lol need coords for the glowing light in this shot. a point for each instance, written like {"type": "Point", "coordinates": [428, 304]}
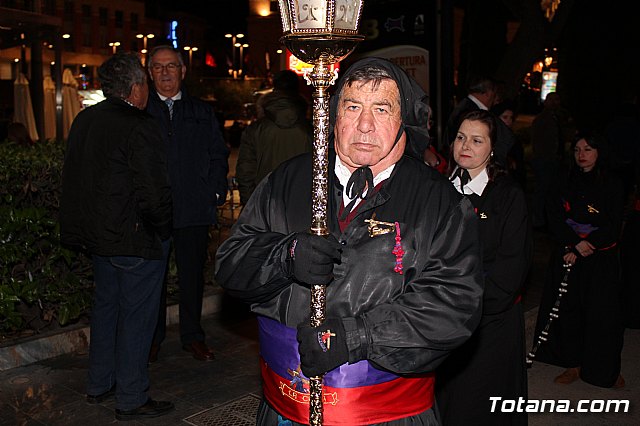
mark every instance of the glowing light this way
{"type": "Point", "coordinates": [172, 35]}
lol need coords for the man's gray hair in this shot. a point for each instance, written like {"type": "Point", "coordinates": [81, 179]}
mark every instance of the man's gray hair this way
{"type": "Point", "coordinates": [164, 47]}
{"type": "Point", "coordinates": [119, 73]}
{"type": "Point", "coordinates": [368, 74]}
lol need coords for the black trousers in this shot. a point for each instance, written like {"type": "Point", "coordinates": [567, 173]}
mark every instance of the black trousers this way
{"type": "Point", "coordinates": [190, 248]}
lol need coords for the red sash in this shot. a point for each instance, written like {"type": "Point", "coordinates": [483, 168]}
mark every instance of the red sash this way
{"type": "Point", "coordinates": [384, 402]}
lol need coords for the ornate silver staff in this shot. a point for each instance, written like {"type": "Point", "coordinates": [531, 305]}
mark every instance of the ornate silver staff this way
{"type": "Point", "coordinates": [554, 314]}
{"type": "Point", "coordinates": [321, 33]}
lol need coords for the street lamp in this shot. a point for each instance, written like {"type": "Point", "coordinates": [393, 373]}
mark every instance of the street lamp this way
{"type": "Point", "coordinates": [233, 49]}
{"type": "Point", "coordinates": [241, 46]}
{"type": "Point", "coordinates": [190, 49]}
{"type": "Point", "coordinates": [320, 33]}
{"type": "Point", "coordinates": [144, 45]}
{"type": "Point", "coordinates": [114, 45]}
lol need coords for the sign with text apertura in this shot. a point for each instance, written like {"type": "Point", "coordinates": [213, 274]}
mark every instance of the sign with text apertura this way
{"type": "Point", "coordinates": [413, 59]}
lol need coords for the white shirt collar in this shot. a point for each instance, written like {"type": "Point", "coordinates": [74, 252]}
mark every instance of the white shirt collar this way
{"type": "Point", "coordinates": [477, 102]}
{"type": "Point", "coordinates": [343, 174]}
{"type": "Point", "coordinates": [474, 186]}
{"type": "Point", "coordinates": [176, 97]}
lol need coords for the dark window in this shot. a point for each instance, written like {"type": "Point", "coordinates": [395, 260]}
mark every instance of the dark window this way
{"type": "Point", "coordinates": [103, 14]}
{"type": "Point", "coordinates": [86, 11]}
{"type": "Point", "coordinates": [28, 5]}
{"type": "Point", "coordinates": [119, 19]}
{"type": "Point", "coordinates": [68, 9]}
{"type": "Point", "coordinates": [134, 22]}
{"type": "Point", "coordinates": [86, 39]}
{"type": "Point", "coordinates": [49, 7]}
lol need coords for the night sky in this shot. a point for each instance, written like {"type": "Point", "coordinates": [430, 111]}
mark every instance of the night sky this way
{"type": "Point", "coordinates": [223, 15]}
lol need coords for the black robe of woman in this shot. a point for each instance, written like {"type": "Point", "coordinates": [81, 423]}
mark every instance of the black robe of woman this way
{"type": "Point", "coordinates": [492, 362]}
{"type": "Point", "coordinates": [589, 330]}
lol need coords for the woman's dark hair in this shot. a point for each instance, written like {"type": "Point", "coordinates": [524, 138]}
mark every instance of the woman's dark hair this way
{"type": "Point", "coordinates": [495, 168]}
{"type": "Point", "coordinates": [119, 73]}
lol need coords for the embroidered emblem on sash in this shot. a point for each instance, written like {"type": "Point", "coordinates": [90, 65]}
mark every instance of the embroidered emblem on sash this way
{"type": "Point", "coordinates": [298, 389]}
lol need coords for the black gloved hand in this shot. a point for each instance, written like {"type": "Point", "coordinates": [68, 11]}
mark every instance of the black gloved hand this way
{"type": "Point", "coordinates": [313, 257]}
{"type": "Point", "coordinates": [322, 348]}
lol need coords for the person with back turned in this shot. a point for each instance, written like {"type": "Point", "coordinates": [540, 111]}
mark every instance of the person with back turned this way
{"type": "Point", "coordinates": [402, 264]}
{"type": "Point", "coordinates": [116, 205]}
{"type": "Point", "coordinates": [281, 133]}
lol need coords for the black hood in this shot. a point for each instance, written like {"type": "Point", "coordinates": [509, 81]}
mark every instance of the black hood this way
{"type": "Point", "coordinates": [413, 101]}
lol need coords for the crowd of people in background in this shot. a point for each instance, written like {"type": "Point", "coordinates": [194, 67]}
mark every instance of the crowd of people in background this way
{"type": "Point", "coordinates": [429, 249]}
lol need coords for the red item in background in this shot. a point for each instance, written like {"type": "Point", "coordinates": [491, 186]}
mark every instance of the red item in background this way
{"type": "Point", "coordinates": [441, 167]}
{"type": "Point", "coordinates": [210, 60]}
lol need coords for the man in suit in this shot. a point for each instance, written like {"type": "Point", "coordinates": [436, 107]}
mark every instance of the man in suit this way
{"type": "Point", "coordinates": [116, 205]}
{"type": "Point", "coordinates": [198, 166]}
{"type": "Point", "coordinates": [482, 94]}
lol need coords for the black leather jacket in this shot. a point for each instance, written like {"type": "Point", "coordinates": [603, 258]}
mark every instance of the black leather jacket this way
{"type": "Point", "coordinates": [402, 323]}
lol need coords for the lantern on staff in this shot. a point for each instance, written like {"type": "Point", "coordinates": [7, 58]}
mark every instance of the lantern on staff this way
{"type": "Point", "coordinates": [320, 33]}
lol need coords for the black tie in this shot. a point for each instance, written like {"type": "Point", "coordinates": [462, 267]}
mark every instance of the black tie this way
{"type": "Point", "coordinates": [359, 186]}
{"type": "Point", "coordinates": [464, 176]}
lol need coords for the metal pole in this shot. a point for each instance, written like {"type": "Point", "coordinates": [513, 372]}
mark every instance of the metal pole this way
{"type": "Point", "coordinates": [321, 78]}
{"type": "Point", "coordinates": [58, 79]}
{"type": "Point", "coordinates": [321, 47]}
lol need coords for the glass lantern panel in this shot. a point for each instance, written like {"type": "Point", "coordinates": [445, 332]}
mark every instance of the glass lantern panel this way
{"type": "Point", "coordinates": [311, 14]}
{"type": "Point", "coordinates": [347, 12]}
{"type": "Point", "coordinates": [285, 15]}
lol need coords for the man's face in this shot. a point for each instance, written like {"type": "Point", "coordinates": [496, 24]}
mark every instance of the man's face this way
{"type": "Point", "coordinates": [166, 72]}
{"type": "Point", "coordinates": [368, 119]}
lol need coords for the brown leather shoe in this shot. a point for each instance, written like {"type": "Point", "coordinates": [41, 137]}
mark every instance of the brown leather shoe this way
{"type": "Point", "coordinates": [199, 350]}
{"type": "Point", "coordinates": [568, 376]}
{"type": "Point", "coordinates": [153, 353]}
{"type": "Point", "coordinates": [619, 382]}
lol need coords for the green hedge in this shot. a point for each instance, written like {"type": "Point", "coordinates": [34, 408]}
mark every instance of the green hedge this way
{"type": "Point", "coordinates": [42, 285]}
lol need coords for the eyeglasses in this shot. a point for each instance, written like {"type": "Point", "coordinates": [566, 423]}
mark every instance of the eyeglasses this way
{"type": "Point", "coordinates": [169, 67]}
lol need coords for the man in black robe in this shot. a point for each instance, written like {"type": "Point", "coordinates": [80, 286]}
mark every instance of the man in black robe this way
{"type": "Point", "coordinates": [402, 264]}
